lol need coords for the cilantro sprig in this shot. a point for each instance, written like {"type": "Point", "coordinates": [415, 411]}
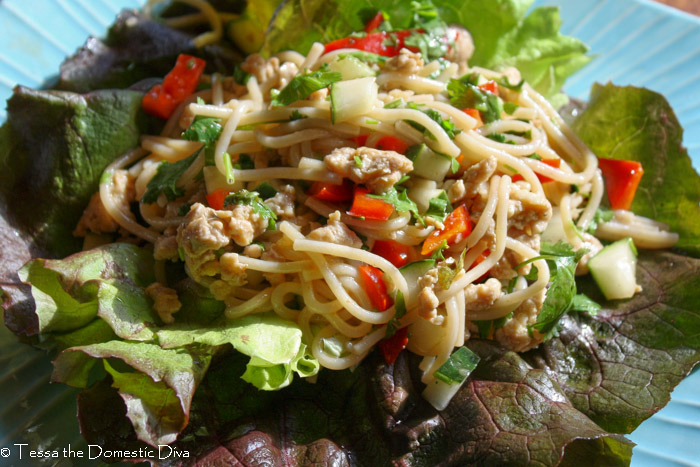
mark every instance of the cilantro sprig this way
{"type": "Point", "coordinates": [166, 178]}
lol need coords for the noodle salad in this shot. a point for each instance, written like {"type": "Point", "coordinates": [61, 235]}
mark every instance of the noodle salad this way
{"type": "Point", "coordinates": [372, 187]}
{"type": "Point", "coordinates": [377, 192]}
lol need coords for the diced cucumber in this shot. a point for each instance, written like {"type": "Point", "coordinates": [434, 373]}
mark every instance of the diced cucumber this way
{"type": "Point", "coordinates": [352, 98]}
{"type": "Point", "coordinates": [422, 191]}
{"type": "Point", "coordinates": [428, 163]}
{"type": "Point", "coordinates": [413, 272]}
{"type": "Point", "coordinates": [555, 230]}
{"type": "Point", "coordinates": [614, 269]}
{"type": "Point", "coordinates": [215, 180]}
{"type": "Point", "coordinates": [351, 68]}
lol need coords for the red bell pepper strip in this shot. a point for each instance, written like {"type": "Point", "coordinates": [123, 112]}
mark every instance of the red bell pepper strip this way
{"type": "Point", "coordinates": [479, 259]}
{"type": "Point", "coordinates": [216, 198]}
{"type": "Point", "coordinates": [476, 115]}
{"type": "Point", "coordinates": [457, 224]}
{"type": "Point", "coordinates": [621, 181]}
{"type": "Point", "coordinates": [369, 208]}
{"type": "Point", "coordinates": [394, 252]}
{"type": "Point", "coordinates": [375, 22]}
{"type": "Point", "coordinates": [178, 84]}
{"type": "Point", "coordinates": [392, 143]}
{"type": "Point", "coordinates": [556, 163]}
{"type": "Point", "coordinates": [489, 86]}
{"type": "Point", "coordinates": [373, 284]}
{"type": "Point", "coordinates": [325, 191]}
{"type": "Point", "coordinates": [387, 44]}
{"type": "Point", "coordinates": [361, 140]}
{"type": "Point", "coordinates": [392, 347]}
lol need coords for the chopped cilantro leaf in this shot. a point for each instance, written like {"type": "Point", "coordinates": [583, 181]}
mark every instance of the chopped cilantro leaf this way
{"type": "Point", "coordinates": [367, 57]}
{"type": "Point", "coordinates": [401, 202]}
{"type": "Point", "coordinates": [241, 77]}
{"type": "Point", "coordinates": [399, 311]}
{"type": "Point", "coordinates": [601, 215]}
{"type": "Point", "coordinates": [437, 254]}
{"type": "Point", "coordinates": [439, 207]}
{"type": "Point", "coordinates": [184, 209]}
{"type": "Point", "coordinates": [465, 93]}
{"type": "Point", "coordinates": [503, 81]}
{"type": "Point", "coordinates": [296, 115]}
{"type": "Point", "coordinates": [301, 86]}
{"type": "Point", "coordinates": [206, 130]}
{"type": "Point", "coordinates": [244, 162]}
{"type": "Point", "coordinates": [358, 161]}
{"type": "Point", "coordinates": [434, 115]}
{"type": "Point", "coordinates": [582, 304]}
{"type": "Point", "coordinates": [266, 190]}
{"type": "Point", "coordinates": [165, 180]}
{"type": "Point", "coordinates": [510, 108]}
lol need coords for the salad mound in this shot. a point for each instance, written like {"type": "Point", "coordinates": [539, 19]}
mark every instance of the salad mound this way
{"type": "Point", "coordinates": [169, 351]}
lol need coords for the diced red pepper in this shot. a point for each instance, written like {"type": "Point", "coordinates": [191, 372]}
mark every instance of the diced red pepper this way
{"type": "Point", "coordinates": [387, 44]}
{"type": "Point", "coordinates": [621, 181]}
{"type": "Point", "coordinates": [373, 283]}
{"type": "Point", "coordinates": [475, 114]}
{"type": "Point", "coordinates": [489, 86]}
{"type": "Point", "coordinates": [361, 140]}
{"type": "Point", "coordinates": [216, 198]}
{"type": "Point", "coordinates": [159, 103]}
{"type": "Point", "coordinates": [394, 252]}
{"type": "Point", "coordinates": [556, 163]}
{"type": "Point", "coordinates": [178, 84]}
{"type": "Point", "coordinates": [392, 143]}
{"type": "Point", "coordinates": [375, 22]}
{"type": "Point", "coordinates": [392, 347]}
{"type": "Point", "coordinates": [457, 225]}
{"type": "Point", "coordinates": [369, 208]}
{"type": "Point", "coordinates": [479, 259]}
{"type": "Point", "coordinates": [325, 191]}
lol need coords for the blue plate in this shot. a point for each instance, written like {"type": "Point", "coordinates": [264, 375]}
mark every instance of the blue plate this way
{"type": "Point", "coordinates": [635, 42]}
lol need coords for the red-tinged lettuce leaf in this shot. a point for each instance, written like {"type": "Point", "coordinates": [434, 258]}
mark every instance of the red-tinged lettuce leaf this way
{"type": "Point", "coordinates": [506, 414]}
{"type": "Point", "coordinates": [50, 166]}
{"type": "Point", "coordinates": [157, 385]}
{"type": "Point", "coordinates": [638, 124]}
{"type": "Point", "coordinates": [503, 35]}
{"type": "Point", "coordinates": [106, 281]}
{"type": "Point", "coordinates": [136, 48]}
{"type": "Point", "coordinates": [620, 367]}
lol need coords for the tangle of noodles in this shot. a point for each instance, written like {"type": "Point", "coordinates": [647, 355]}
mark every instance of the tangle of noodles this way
{"type": "Point", "coordinates": [322, 266]}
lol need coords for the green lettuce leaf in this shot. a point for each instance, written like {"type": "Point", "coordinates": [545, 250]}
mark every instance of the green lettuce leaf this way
{"type": "Point", "coordinates": [503, 35]}
{"type": "Point", "coordinates": [106, 282]}
{"type": "Point", "coordinates": [273, 345]}
{"type": "Point", "coordinates": [638, 124]}
{"type": "Point", "coordinates": [157, 385]}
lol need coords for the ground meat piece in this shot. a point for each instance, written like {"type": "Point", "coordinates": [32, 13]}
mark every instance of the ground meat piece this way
{"type": "Point", "coordinates": [336, 232]}
{"type": "Point", "coordinates": [480, 297]}
{"type": "Point", "coordinates": [475, 181]}
{"type": "Point", "coordinates": [271, 72]}
{"type": "Point", "coordinates": [379, 170]}
{"type": "Point", "coordinates": [232, 271]}
{"type": "Point", "coordinates": [528, 212]}
{"type": "Point", "coordinates": [462, 44]}
{"type": "Point", "coordinates": [165, 247]}
{"type": "Point", "coordinates": [165, 301]}
{"type": "Point", "coordinates": [253, 250]}
{"type": "Point", "coordinates": [243, 224]}
{"type": "Point", "coordinates": [514, 333]}
{"type": "Point", "coordinates": [95, 218]}
{"type": "Point", "coordinates": [282, 204]}
{"type": "Point", "coordinates": [273, 252]}
{"type": "Point", "coordinates": [427, 300]}
{"type": "Point", "coordinates": [201, 231]}
{"type": "Point", "coordinates": [406, 62]}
